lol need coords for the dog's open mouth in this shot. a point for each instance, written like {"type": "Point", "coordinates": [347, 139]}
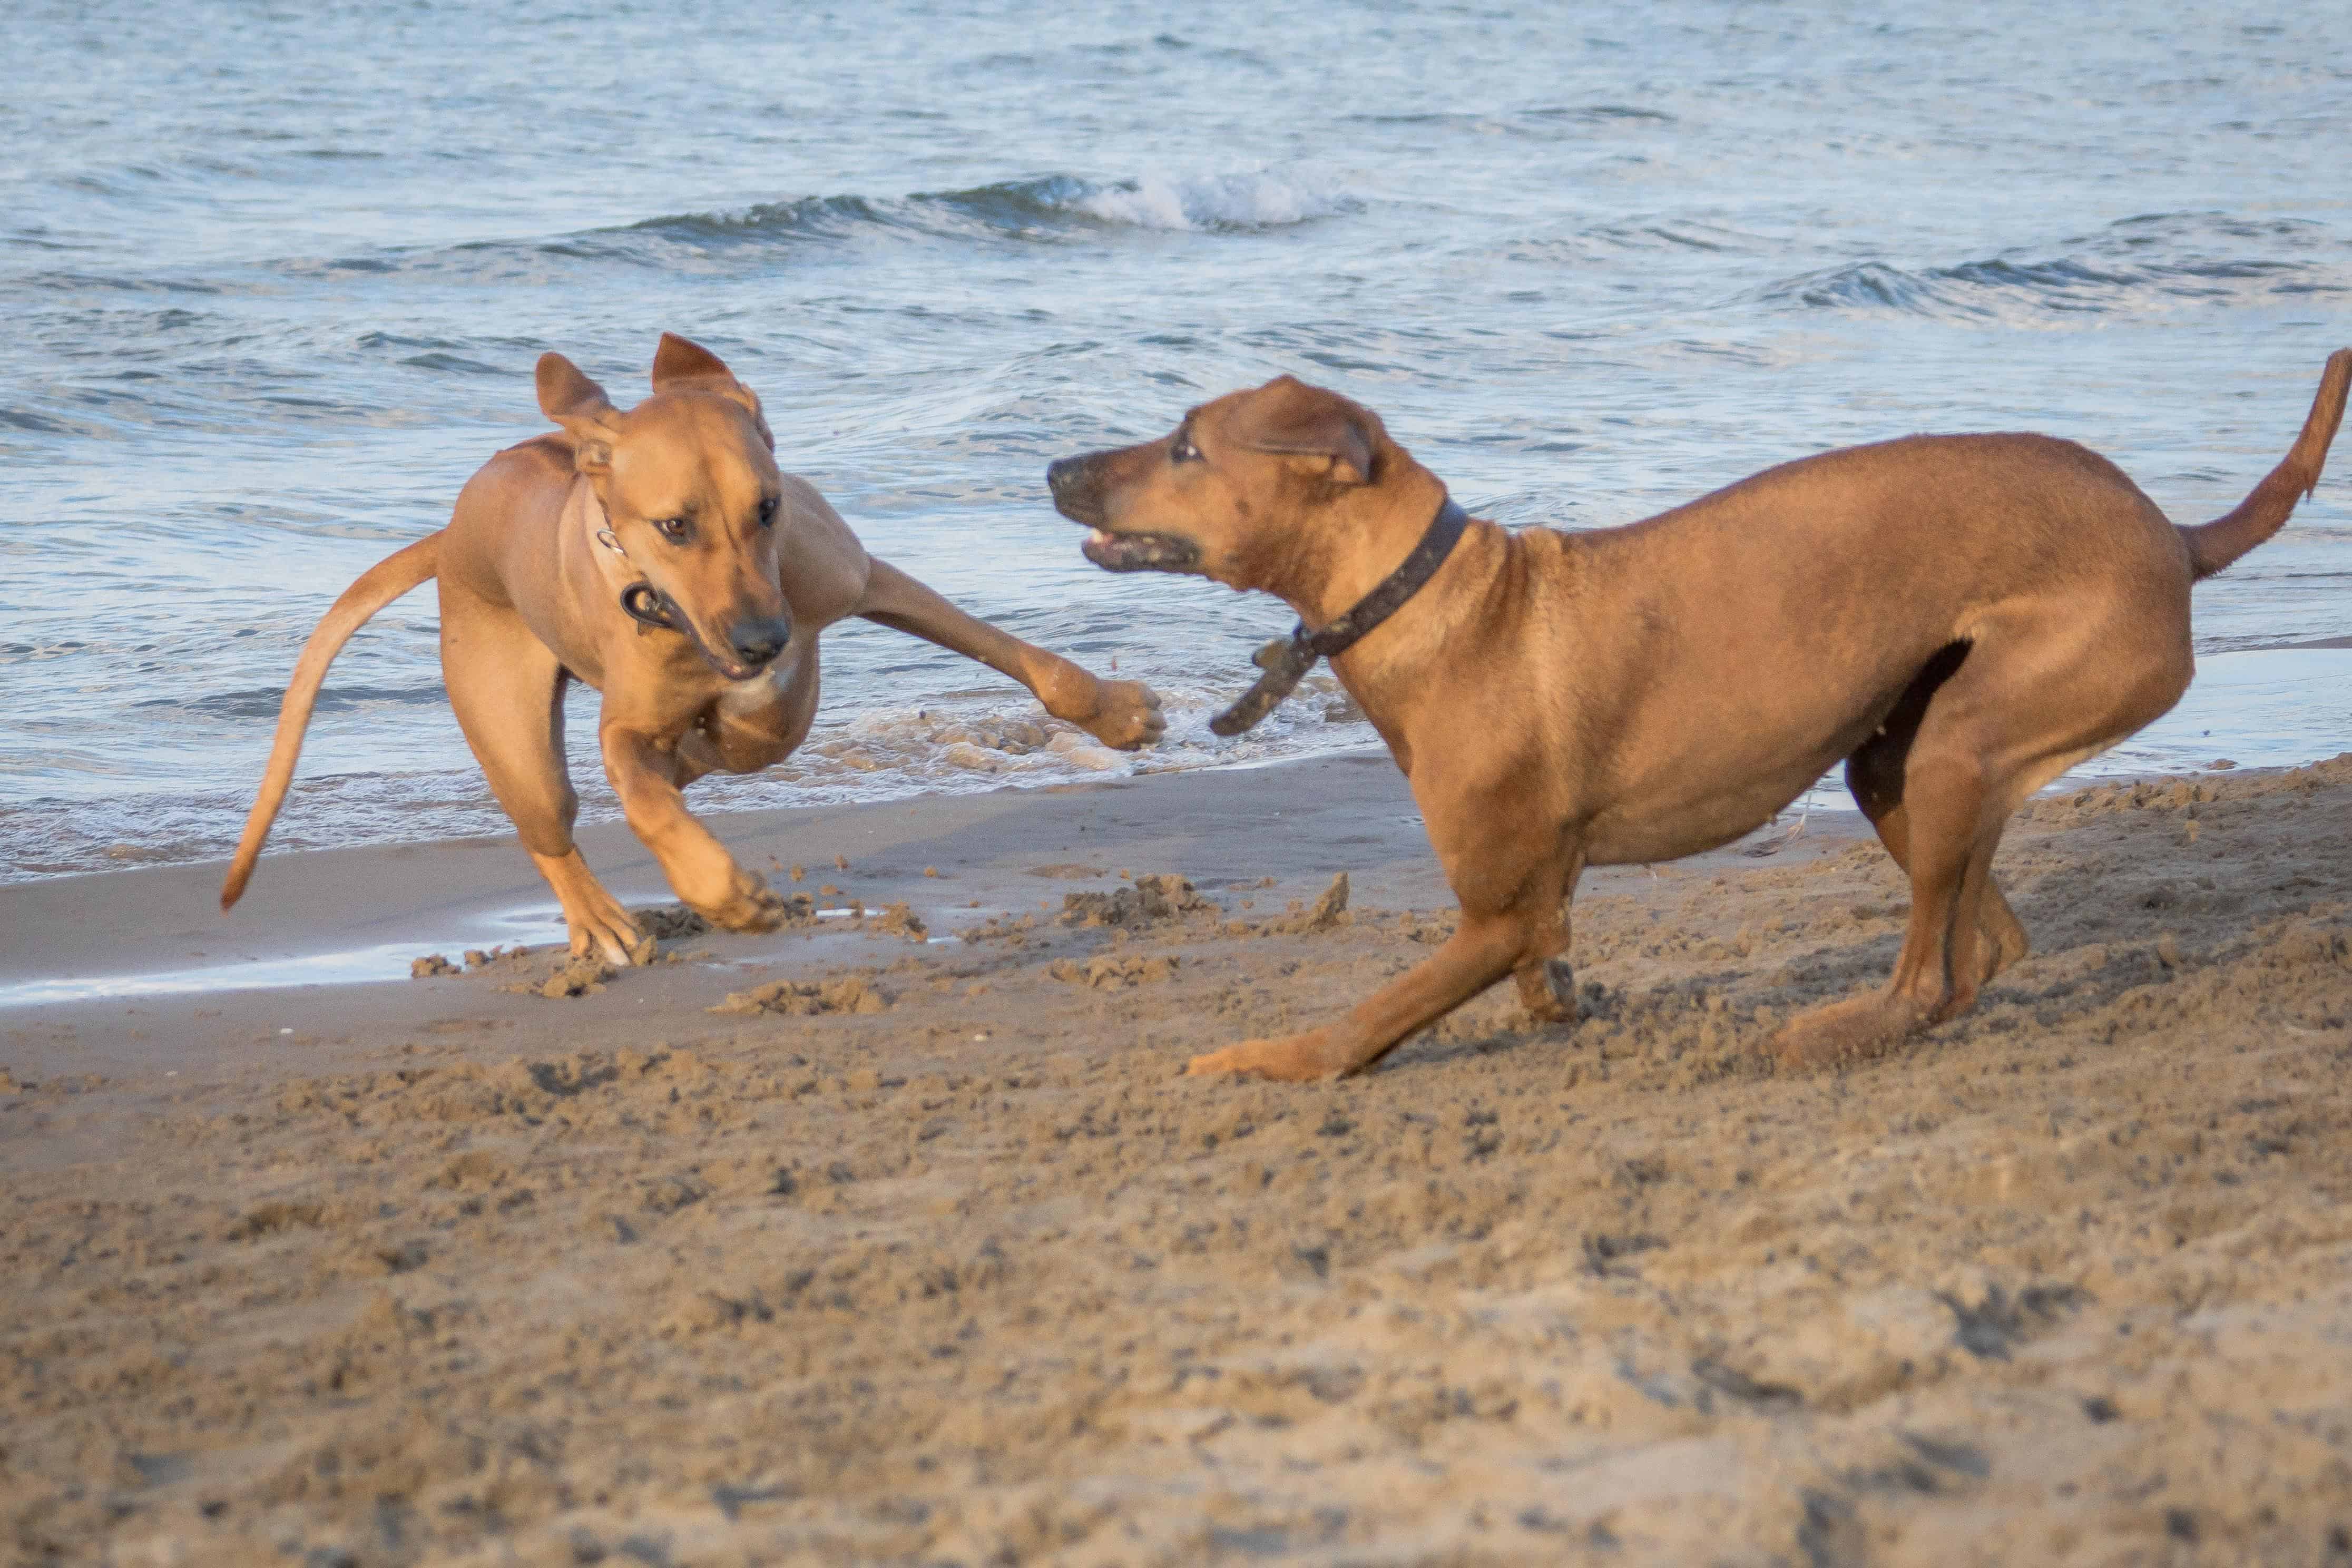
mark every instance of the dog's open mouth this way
{"type": "Point", "coordinates": [649, 607]}
{"type": "Point", "coordinates": [730, 668]}
{"type": "Point", "coordinates": [1141, 552]}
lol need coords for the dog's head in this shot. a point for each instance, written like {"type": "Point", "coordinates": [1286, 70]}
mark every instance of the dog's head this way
{"type": "Point", "coordinates": [691, 491]}
{"type": "Point", "coordinates": [1249, 490]}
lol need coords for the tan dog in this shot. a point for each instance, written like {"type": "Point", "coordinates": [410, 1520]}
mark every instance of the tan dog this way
{"type": "Point", "coordinates": [1959, 618]}
{"type": "Point", "coordinates": [734, 570]}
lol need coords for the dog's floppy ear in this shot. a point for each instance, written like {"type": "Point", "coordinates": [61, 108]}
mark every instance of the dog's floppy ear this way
{"type": "Point", "coordinates": [680, 365]}
{"type": "Point", "coordinates": [1289, 417]}
{"type": "Point", "coordinates": [567, 396]}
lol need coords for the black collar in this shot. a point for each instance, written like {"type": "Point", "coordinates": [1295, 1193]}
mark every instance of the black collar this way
{"type": "Point", "coordinates": [1286, 663]}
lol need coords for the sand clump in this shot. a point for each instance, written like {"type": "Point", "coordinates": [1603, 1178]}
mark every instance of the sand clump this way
{"type": "Point", "coordinates": [806, 998]}
{"type": "Point", "coordinates": [581, 975]}
{"type": "Point", "coordinates": [1161, 898]}
{"type": "Point", "coordinates": [1115, 971]}
{"type": "Point", "coordinates": [528, 971]}
{"type": "Point", "coordinates": [670, 922]}
{"type": "Point", "coordinates": [898, 920]}
{"type": "Point", "coordinates": [1328, 913]}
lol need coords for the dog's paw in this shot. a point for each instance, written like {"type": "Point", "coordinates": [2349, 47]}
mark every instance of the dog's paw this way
{"type": "Point", "coordinates": [610, 933]}
{"type": "Point", "coordinates": [1548, 990]}
{"type": "Point", "coordinates": [1127, 715]}
{"type": "Point", "coordinates": [1294, 1058]}
{"type": "Point", "coordinates": [748, 906]}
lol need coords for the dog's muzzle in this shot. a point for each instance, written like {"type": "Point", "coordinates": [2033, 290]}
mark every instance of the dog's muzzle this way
{"type": "Point", "coordinates": [755, 644]}
{"type": "Point", "coordinates": [1077, 484]}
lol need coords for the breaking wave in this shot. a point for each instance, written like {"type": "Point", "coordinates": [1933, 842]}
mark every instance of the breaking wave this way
{"type": "Point", "coordinates": [1039, 208]}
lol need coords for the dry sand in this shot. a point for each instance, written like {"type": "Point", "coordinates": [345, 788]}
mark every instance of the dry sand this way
{"type": "Point", "coordinates": [930, 1258]}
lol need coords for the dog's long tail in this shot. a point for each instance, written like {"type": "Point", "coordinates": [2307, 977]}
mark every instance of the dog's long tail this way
{"type": "Point", "coordinates": [379, 585]}
{"type": "Point", "coordinates": [2213, 545]}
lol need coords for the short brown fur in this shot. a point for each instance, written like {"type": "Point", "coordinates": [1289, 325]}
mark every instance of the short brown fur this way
{"type": "Point", "coordinates": [1958, 618]}
{"type": "Point", "coordinates": [530, 601]}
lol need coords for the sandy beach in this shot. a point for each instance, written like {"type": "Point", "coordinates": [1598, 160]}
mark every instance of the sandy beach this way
{"type": "Point", "coordinates": [924, 1254]}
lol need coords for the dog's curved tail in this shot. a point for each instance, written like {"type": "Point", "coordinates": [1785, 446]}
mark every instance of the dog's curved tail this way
{"type": "Point", "coordinates": [379, 585]}
{"type": "Point", "coordinates": [2213, 545]}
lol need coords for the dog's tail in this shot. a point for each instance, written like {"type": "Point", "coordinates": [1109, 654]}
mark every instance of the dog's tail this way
{"type": "Point", "coordinates": [379, 585]}
{"type": "Point", "coordinates": [2213, 545]}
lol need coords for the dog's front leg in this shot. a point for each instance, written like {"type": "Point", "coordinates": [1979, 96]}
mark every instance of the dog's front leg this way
{"type": "Point", "coordinates": [1123, 714]}
{"type": "Point", "coordinates": [1481, 950]}
{"type": "Point", "coordinates": [645, 771]}
{"type": "Point", "coordinates": [1546, 982]}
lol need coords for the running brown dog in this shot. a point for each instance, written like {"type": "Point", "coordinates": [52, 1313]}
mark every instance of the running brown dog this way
{"type": "Point", "coordinates": [1959, 618]}
{"type": "Point", "coordinates": [659, 556]}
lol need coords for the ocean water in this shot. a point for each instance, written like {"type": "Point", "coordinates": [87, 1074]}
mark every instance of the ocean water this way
{"type": "Point", "coordinates": [274, 279]}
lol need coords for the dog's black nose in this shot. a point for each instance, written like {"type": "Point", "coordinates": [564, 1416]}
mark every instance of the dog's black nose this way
{"type": "Point", "coordinates": [1076, 487]}
{"type": "Point", "coordinates": [758, 642]}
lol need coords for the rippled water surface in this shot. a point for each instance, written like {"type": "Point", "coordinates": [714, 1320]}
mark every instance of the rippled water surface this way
{"type": "Point", "coordinates": [275, 279]}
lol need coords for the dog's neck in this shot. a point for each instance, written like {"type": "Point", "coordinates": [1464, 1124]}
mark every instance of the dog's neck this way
{"type": "Point", "coordinates": [1327, 574]}
{"type": "Point", "coordinates": [1287, 660]}
{"type": "Point", "coordinates": [605, 556]}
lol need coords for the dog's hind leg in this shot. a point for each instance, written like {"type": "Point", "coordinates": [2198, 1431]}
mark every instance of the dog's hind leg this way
{"type": "Point", "coordinates": [508, 692]}
{"type": "Point", "coordinates": [2036, 695]}
{"type": "Point", "coordinates": [1874, 775]}
{"type": "Point", "coordinates": [1948, 829]}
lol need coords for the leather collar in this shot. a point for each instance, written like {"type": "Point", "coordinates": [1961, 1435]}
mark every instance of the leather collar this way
{"type": "Point", "coordinates": [1287, 661]}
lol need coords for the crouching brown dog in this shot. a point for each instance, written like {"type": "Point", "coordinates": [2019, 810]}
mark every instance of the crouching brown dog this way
{"type": "Point", "coordinates": [659, 556]}
{"type": "Point", "coordinates": [1958, 618]}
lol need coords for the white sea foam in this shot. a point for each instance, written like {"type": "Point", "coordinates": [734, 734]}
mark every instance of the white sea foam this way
{"type": "Point", "coordinates": [1263, 199]}
{"type": "Point", "coordinates": [988, 744]}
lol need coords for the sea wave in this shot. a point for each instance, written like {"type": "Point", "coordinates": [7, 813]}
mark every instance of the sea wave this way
{"type": "Point", "coordinates": [1045, 208]}
{"type": "Point", "coordinates": [1216, 202]}
{"type": "Point", "coordinates": [2150, 262]}
{"type": "Point", "coordinates": [1042, 206]}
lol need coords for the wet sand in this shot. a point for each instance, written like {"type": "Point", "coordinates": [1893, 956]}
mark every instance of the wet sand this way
{"type": "Point", "coordinates": [933, 1260]}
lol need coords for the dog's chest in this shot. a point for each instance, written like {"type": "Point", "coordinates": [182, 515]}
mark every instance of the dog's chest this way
{"type": "Point", "coordinates": [761, 692]}
{"type": "Point", "coordinates": [766, 692]}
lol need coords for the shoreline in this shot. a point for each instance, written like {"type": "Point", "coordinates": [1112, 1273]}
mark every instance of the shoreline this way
{"type": "Point", "coordinates": [2260, 713]}
{"type": "Point", "coordinates": [1000, 853]}
{"type": "Point", "coordinates": [294, 933]}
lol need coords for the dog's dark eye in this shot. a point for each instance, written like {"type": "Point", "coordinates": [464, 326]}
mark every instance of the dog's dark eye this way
{"type": "Point", "coordinates": [674, 529]}
{"type": "Point", "coordinates": [768, 512]}
{"type": "Point", "coordinates": [1183, 451]}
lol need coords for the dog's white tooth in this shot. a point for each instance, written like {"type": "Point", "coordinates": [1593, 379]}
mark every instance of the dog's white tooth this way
{"type": "Point", "coordinates": [1096, 536]}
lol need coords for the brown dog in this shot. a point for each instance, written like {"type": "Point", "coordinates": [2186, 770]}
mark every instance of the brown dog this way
{"type": "Point", "coordinates": [659, 556]}
{"type": "Point", "coordinates": [1959, 618]}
